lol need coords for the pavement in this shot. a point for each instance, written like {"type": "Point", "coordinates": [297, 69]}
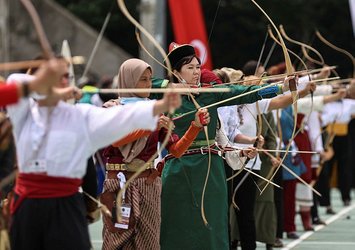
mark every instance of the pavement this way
{"type": "Point", "coordinates": [338, 234]}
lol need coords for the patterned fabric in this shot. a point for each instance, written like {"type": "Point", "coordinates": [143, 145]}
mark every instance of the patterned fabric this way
{"type": "Point", "coordinates": [145, 204]}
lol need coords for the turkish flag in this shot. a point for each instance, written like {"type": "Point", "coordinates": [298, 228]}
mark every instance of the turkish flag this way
{"type": "Point", "coordinates": [189, 28]}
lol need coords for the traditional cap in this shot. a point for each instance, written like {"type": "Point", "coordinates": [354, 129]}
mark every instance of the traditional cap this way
{"type": "Point", "coordinates": [177, 52]}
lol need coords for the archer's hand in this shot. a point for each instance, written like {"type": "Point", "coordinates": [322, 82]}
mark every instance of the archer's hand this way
{"type": "Point", "coordinates": [48, 75]}
{"type": "Point", "coordinates": [327, 154]}
{"type": "Point", "coordinates": [341, 93]}
{"type": "Point", "coordinates": [204, 115]}
{"type": "Point", "coordinates": [250, 152]}
{"type": "Point", "coordinates": [310, 88]}
{"type": "Point", "coordinates": [275, 162]}
{"type": "Point", "coordinates": [261, 142]}
{"type": "Point", "coordinates": [110, 103]}
{"type": "Point", "coordinates": [164, 122]}
{"type": "Point", "coordinates": [288, 83]}
{"type": "Point", "coordinates": [324, 73]}
{"type": "Point", "coordinates": [67, 93]}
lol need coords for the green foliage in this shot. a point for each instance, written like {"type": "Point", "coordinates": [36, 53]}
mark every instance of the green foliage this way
{"type": "Point", "coordinates": [239, 30]}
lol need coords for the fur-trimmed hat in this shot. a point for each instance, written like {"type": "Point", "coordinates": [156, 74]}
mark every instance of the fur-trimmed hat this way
{"type": "Point", "coordinates": [177, 52]}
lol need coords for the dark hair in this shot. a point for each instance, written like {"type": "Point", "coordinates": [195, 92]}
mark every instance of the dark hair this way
{"type": "Point", "coordinates": [183, 61]}
{"type": "Point", "coordinates": [250, 67]}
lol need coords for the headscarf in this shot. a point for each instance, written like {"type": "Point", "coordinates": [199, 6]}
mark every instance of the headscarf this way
{"type": "Point", "coordinates": [128, 77]}
{"type": "Point", "coordinates": [129, 74]}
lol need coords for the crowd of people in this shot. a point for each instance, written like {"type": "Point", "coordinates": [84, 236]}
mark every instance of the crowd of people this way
{"type": "Point", "coordinates": [209, 191]}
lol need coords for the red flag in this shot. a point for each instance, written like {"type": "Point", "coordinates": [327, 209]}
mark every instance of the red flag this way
{"type": "Point", "coordinates": [189, 27]}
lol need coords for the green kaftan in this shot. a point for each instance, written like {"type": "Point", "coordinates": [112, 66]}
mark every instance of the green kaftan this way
{"type": "Point", "coordinates": [183, 180]}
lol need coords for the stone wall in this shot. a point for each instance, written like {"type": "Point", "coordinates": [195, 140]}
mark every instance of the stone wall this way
{"type": "Point", "coordinates": [59, 24]}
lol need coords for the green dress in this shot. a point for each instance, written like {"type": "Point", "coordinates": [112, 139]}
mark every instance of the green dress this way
{"type": "Point", "coordinates": [183, 179]}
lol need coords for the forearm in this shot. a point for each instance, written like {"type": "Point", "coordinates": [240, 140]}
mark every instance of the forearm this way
{"type": "Point", "coordinates": [244, 139]}
{"type": "Point", "coordinates": [331, 98]}
{"type": "Point", "coordinates": [178, 149]}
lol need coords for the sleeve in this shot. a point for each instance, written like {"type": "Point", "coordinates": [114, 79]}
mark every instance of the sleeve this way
{"type": "Point", "coordinates": [323, 90]}
{"type": "Point", "coordinates": [302, 82]}
{"type": "Point", "coordinates": [178, 148]}
{"type": "Point", "coordinates": [264, 105]}
{"type": "Point", "coordinates": [314, 132]}
{"type": "Point", "coordinates": [305, 105]}
{"type": "Point", "coordinates": [106, 126]}
{"type": "Point", "coordinates": [351, 104]}
{"type": "Point", "coordinates": [250, 98]}
{"type": "Point", "coordinates": [19, 111]}
{"type": "Point", "coordinates": [9, 94]}
{"type": "Point", "coordinates": [235, 90]}
{"type": "Point", "coordinates": [132, 137]}
{"type": "Point", "coordinates": [228, 118]}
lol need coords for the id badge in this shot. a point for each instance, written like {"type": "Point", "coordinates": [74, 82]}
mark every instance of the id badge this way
{"type": "Point", "coordinates": [125, 215]}
{"type": "Point", "coordinates": [38, 166]}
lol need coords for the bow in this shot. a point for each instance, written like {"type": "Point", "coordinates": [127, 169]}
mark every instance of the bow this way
{"type": "Point", "coordinates": [259, 128]}
{"type": "Point", "coordinates": [292, 85]}
{"type": "Point", "coordinates": [124, 10]}
{"type": "Point", "coordinates": [343, 51]}
{"type": "Point", "coordinates": [48, 54]}
{"type": "Point", "coordinates": [304, 47]}
{"type": "Point", "coordinates": [197, 106]}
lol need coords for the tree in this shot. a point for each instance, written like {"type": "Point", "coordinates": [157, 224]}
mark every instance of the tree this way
{"type": "Point", "coordinates": [239, 29]}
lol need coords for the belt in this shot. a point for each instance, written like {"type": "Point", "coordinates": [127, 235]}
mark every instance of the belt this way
{"type": "Point", "coordinates": [202, 143]}
{"type": "Point", "coordinates": [150, 174]}
{"type": "Point", "coordinates": [126, 167]}
{"type": "Point", "coordinates": [194, 151]}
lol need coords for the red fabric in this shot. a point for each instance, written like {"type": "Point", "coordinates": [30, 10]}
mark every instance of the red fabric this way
{"type": "Point", "coordinates": [208, 76]}
{"type": "Point", "coordinates": [289, 195]}
{"type": "Point", "coordinates": [43, 186]}
{"type": "Point", "coordinates": [189, 27]}
{"type": "Point", "coordinates": [303, 144]}
{"type": "Point", "coordinates": [8, 94]}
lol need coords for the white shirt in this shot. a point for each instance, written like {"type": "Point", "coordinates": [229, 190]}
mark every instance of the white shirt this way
{"type": "Point", "coordinates": [315, 137]}
{"type": "Point", "coordinates": [234, 126]}
{"type": "Point", "coordinates": [74, 132]}
{"type": "Point", "coordinates": [320, 90]}
{"type": "Point", "coordinates": [340, 112]}
{"type": "Point", "coordinates": [305, 105]}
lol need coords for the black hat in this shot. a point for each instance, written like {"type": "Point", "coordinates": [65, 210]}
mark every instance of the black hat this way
{"type": "Point", "coordinates": [177, 52]}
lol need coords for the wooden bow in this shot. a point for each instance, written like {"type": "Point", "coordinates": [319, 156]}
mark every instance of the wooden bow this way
{"type": "Point", "coordinates": [48, 54]}
{"type": "Point", "coordinates": [123, 8]}
{"type": "Point", "coordinates": [292, 85]}
{"type": "Point", "coordinates": [343, 51]}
